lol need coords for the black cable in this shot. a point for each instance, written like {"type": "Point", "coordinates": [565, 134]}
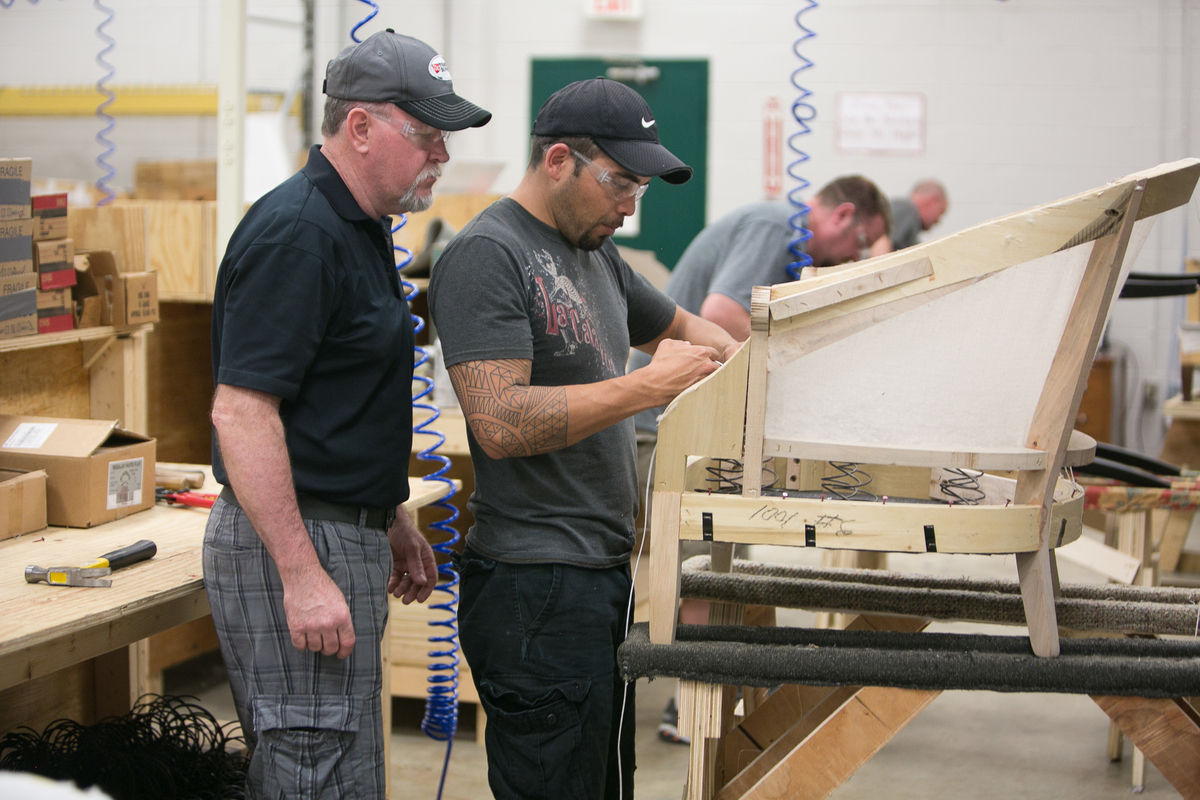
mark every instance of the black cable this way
{"type": "Point", "coordinates": [165, 748]}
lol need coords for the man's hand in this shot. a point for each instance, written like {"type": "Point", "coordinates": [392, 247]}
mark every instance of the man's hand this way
{"type": "Point", "coordinates": [676, 366]}
{"type": "Point", "coordinates": [317, 615]}
{"type": "Point", "coordinates": [414, 571]}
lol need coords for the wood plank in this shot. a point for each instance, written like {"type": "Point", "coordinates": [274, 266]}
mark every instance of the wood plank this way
{"type": "Point", "coordinates": [993, 458]}
{"type": "Point", "coordinates": [892, 527]}
{"type": "Point", "coordinates": [861, 279]}
{"type": "Point", "coordinates": [756, 392]}
{"type": "Point", "coordinates": [1167, 731]}
{"type": "Point", "coordinates": [118, 384]}
{"type": "Point", "coordinates": [1055, 416]}
{"type": "Point", "coordinates": [707, 418]}
{"type": "Point", "coordinates": [827, 755]}
{"type": "Point", "coordinates": [665, 576]}
{"type": "Point", "coordinates": [43, 340]}
{"type": "Point", "coordinates": [1174, 535]}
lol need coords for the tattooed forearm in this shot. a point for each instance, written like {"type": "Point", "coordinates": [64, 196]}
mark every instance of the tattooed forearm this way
{"type": "Point", "coordinates": [507, 415]}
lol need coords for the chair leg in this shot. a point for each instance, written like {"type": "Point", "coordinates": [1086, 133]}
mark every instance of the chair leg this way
{"type": "Point", "coordinates": [1036, 573]}
{"type": "Point", "coordinates": [664, 566]}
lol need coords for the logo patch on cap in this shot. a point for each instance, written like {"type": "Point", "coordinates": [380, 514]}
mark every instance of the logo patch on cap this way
{"type": "Point", "coordinates": [438, 69]}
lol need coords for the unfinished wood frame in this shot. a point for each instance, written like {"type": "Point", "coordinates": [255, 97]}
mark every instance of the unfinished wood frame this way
{"type": "Point", "coordinates": [859, 365]}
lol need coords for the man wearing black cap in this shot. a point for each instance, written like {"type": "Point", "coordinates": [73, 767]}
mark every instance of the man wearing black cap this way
{"type": "Point", "coordinates": [536, 312]}
{"type": "Point", "coordinates": [312, 353]}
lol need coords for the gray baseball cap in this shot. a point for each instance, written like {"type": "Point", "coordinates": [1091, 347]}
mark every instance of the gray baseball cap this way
{"type": "Point", "coordinates": [390, 68]}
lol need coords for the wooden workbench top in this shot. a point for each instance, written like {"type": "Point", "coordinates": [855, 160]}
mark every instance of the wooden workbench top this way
{"type": "Point", "coordinates": [49, 627]}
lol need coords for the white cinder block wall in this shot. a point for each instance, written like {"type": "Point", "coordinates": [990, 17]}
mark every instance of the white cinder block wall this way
{"type": "Point", "coordinates": [1027, 100]}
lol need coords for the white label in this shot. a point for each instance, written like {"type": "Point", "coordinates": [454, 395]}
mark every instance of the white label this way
{"type": "Point", "coordinates": [30, 435]}
{"type": "Point", "coordinates": [124, 483]}
{"type": "Point", "coordinates": [437, 68]}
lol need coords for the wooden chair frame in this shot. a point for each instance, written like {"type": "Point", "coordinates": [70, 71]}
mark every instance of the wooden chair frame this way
{"type": "Point", "coordinates": [724, 417]}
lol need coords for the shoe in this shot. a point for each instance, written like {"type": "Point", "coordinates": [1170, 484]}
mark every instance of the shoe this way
{"type": "Point", "coordinates": [668, 729]}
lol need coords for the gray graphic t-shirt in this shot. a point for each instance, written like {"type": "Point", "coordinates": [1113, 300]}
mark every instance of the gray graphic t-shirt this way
{"type": "Point", "coordinates": [510, 287]}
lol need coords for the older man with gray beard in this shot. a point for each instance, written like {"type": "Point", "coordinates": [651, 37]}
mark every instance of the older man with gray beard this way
{"type": "Point", "coordinates": [312, 350]}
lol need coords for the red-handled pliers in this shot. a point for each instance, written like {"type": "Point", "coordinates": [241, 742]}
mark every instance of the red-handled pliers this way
{"type": "Point", "coordinates": [196, 499]}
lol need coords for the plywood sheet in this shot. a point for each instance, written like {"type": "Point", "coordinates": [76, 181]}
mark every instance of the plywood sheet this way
{"type": "Point", "coordinates": [122, 229]}
{"type": "Point", "coordinates": [180, 384]}
{"type": "Point", "coordinates": [45, 382]}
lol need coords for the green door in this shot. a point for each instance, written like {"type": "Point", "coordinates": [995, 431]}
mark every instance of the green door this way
{"type": "Point", "coordinates": [677, 91]}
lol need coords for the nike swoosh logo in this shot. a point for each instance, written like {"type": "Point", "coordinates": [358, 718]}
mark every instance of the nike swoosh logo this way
{"type": "Point", "coordinates": [646, 124]}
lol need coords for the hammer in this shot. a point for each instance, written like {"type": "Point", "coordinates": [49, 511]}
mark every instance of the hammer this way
{"type": "Point", "coordinates": [93, 574]}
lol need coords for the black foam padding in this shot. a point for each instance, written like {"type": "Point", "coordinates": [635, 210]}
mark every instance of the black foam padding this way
{"type": "Point", "coordinates": [1144, 286]}
{"type": "Point", "coordinates": [766, 657]}
{"type": "Point", "coordinates": [1126, 473]}
{"type": "Point", "coordinates": [1123, 455]}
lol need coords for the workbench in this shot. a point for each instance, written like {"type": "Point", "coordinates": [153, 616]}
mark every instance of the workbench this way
{"type": "Point", "coordinates": [82, 653]}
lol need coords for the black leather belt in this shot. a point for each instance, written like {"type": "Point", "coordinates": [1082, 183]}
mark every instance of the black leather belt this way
{"type": "Point", "coordinates": [315, 508]}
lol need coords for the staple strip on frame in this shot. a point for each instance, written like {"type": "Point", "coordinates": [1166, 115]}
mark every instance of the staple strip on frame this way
{"type": "Point", "coordinates": [810, 535]}
{"type": "Point", "coordinates": [930, 540]}
{"type": "Point", "coordinates": [1062, 531]}
{"type": "Point", "coordinates": [706, 525]}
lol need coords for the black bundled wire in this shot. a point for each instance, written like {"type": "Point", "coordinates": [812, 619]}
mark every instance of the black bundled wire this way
{"type": "Point", "coordinates": [166, 748]}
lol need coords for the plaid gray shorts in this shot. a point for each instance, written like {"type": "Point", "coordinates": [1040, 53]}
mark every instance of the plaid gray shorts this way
{"type": "Point", "coordinates": [314, 723]}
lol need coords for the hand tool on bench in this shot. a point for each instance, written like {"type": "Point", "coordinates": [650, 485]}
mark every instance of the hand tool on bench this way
{"type": "Point", "coordinates": [187, 498]}
{"type": "Point", "coordinates": [93, 574]}
{"type": "Point", "coordinates": [178, 480]}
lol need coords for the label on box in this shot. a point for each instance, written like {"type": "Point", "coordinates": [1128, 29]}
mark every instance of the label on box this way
{"type": "Point", "coordinates": [30, 435]}
{"type": "Point", "coordinates": [18, 326]}
{"type": "Point", "coordinates": [16, 252]}
{"type": "Point", "coordinates": [15, 183]}
{"type": "Point", "coordinates": [19, 283]}
{"type": "Point", "coordinates": [56, 279]}
{"type": "Point", "coordinates": [124, 483]}
{"type": "Point", "coordinates": [50, 228]}
{"type": "Point", "coordinates": [50, 205]}
{"type": "Point", "coordinates": [55, 323]}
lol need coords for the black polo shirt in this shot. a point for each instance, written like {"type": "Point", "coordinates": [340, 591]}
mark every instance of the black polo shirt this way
{"type": "Point", "coordinates": [309, 308]}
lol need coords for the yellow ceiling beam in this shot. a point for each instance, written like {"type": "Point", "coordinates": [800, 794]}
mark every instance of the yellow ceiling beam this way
{"type": "Point", "coordinates": [172, 100]}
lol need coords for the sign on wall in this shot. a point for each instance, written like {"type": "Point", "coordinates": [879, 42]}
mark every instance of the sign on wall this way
{"type": "Point", "coordinates": [613, 9]}
{"type": "Point", "coordinates": [880, 122]}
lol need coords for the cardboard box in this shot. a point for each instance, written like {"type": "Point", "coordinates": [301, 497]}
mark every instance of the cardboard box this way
{"type": "Point", "coordinates": [16, 247]}
{"type": "Point", "coordinates": [22, 502]}
{"type": "Point", "coordinates": [127, 298]}
{"type": "Point", "coordinates": [18, 283]}
{"type": "Point", "coordinates": [55, 263]}
{"type": "Point", "coordinates": [16, 177]}
{"type": "Point", "coordinates": [55, 311]}
{"type": "Point", "coordinates": [18, 313]}
{"type": "Point", "coordinates": [95, 472]}
{"type": "Point", "coordinates": [50, 217]}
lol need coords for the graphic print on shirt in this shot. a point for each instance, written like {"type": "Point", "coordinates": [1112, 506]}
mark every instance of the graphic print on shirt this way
{"type": "Point", "coordinates": [564, 312]}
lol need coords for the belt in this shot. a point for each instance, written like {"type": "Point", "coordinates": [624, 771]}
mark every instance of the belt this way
{"type": "Point", "coordinates": [315, 508]}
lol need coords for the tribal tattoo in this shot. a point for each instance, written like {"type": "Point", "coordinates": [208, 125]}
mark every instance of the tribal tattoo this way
{"type": "Point", "coordinates": [507, 415]}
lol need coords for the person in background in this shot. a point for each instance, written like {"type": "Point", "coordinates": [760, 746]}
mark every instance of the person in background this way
{"type": "Point", "coordinates": [312, 349]}
{"type": "Point", "coordinates": [911, 215]}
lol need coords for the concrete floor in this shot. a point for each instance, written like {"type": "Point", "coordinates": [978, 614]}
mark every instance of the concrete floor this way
{"type": "Point", "coordinates": [980, 745]}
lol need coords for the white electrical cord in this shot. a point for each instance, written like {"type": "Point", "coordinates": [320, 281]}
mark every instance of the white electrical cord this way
{"type": "Point", "coordinates": [629, 614]}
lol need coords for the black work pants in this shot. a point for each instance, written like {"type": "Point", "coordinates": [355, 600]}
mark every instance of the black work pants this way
{"type": "Point", "coordinates": [541, 640]}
